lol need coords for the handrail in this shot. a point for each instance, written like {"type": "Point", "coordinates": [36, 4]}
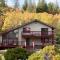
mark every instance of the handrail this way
{"type": "Point", "coordinates": [9, 42]}
{"type": "Point", "coordinates": [38, 33]}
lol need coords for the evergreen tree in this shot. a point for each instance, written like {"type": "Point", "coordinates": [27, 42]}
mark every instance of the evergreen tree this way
{"type": "Point", "coordinates": [34, 6]}
{"type": "Point", "coordinates": [53, 8]}
{"type": "Point", "coordinates": [16, 4]}
{"type": "Point", "coordinates": [2, 3]}
{"type": "Point", "coordinates": [56, 7]}
{"type": "Point", "coordinates": [31, 6]}
{"type": "Point", "coordinates": [42, 6]}
{"type": "Point", "coordinates": [50, 7]}
{"type": "Point", "coordinates": [25, 5]}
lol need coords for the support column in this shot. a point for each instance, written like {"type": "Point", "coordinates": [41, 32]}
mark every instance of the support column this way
{"type": "Point", "coordinates": [25, 44]}
{"type": "Point", "coordinates": [33, 45]}
{"type": "Point", "coordinates": [43, 41]}
{"type": "Point", "coordinates": [1, 39]}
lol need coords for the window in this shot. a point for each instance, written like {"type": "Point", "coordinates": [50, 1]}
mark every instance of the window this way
{"type": "Point", "coordinates": [44, 31]}
{"type": "Point", "coordinates": [16, 31]}
{"type": "Point", "coordinates": [26, 29]}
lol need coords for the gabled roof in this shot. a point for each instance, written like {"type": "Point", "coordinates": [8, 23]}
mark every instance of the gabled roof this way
{"type": "Point", "coordinates": [19, 26]}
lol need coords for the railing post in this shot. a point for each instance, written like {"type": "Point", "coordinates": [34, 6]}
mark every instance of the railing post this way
{"type": "Point", "coordinates": [33, 44]}
{"type": "Point", "coordinates": [52, 37]}
{"type": "Point", "coordinates": [25, 44]}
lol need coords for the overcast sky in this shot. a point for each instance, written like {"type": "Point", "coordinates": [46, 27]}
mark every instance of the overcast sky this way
{"type": "Point", "coordinates": [11, 2]}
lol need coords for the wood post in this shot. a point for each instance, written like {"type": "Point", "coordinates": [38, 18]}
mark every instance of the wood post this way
{"type": "Point", "coordinates": [33, 44]}
{"type": "Point", "coordinates": [25, 44]}
{"type": "Point", "coordinates": [52, 36]}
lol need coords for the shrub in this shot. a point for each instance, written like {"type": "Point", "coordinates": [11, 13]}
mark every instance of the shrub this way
{"type": "Point", "coordinates": [0, 58]}
{"type": "Point", "coordinates": [16, 53]}
{"type": "Point", "coordinates": [48, 51]}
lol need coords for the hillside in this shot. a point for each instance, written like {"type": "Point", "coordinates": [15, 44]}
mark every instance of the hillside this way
{"type": "Point", "coordinates": [12, 18]}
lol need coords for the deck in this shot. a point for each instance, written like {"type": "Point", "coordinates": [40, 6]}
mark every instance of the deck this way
{"type": "Point", "coordinates": [23, 45]}
{"type": "Point", "coordinates": [38, 34]}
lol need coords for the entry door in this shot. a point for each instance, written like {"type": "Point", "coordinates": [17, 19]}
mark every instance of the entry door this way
{"type": "Point", "coordinates": [44, 31]}
{"type": "Point", "coordinates": [27, 41]}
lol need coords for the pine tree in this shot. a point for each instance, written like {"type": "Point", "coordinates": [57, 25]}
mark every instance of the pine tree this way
{"type": "Point", "coordinates": [50, 7]}
{"type": "Point", "coordinates": [25, 5]}
{"type": "Point", "coordinates": [31, 6]}
{"type": "Point", "coordinates": [56, 7]}
{"type": "Point", "coordinates": [2, 3]}
{"type": "Point", "coordinates": [34, 6]}
{"type": "Point", "coordinates": [42, 6]}
{"type": "Point", "coordinates": [53, 8]}
{"type": "Point", "coordinates": [16, 4]}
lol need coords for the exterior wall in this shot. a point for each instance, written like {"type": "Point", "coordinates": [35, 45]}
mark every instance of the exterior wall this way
{"type": "Point", "coordinates": [20, 36]}
{"type": "Point", "coordinates": [34, 27]}
{"type": "Point", "coordinates": [37, 26]}
{"type": "Point", "coordinates": [0, 38]}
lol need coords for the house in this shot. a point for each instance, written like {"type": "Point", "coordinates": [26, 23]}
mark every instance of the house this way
{"type": "Point", "coordinates": [31, 35]}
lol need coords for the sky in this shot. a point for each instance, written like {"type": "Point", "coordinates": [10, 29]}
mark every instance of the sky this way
{"type": "Point", "coordinates": [11, 2]}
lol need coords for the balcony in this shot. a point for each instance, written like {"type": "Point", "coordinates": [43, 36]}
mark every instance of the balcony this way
{"type": "Point", "coordinates": [8, 43]}
{"type": "Point", "coordinates": [37, 33]}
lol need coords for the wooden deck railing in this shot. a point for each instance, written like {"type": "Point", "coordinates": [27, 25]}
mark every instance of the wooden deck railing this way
{"type": "Point", "coordinates": [38, 33]}
{"type": "Point", "coordinates": [7, 42]}
{"type": "Point", "coordinates": [15, 43]}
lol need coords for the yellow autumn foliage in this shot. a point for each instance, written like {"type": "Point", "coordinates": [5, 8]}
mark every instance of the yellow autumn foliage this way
{"type": "Point", "coordinates": [14, 18]}
{"type": "Point", "coordinates": [48, 51]}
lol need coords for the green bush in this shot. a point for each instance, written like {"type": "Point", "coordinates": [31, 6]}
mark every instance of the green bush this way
{"type": "Point", "coordinates": [0, 58]}
{"type": "Point", "coordinates": [15, 54]}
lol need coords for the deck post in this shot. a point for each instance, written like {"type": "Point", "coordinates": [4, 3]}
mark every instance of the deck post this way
{"type": "Point", "coordinates": [33, 44]}
{"type": "Point", "coordinates": [52, 36]}
{"type": "Point", "coordinates": [25, 44]}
